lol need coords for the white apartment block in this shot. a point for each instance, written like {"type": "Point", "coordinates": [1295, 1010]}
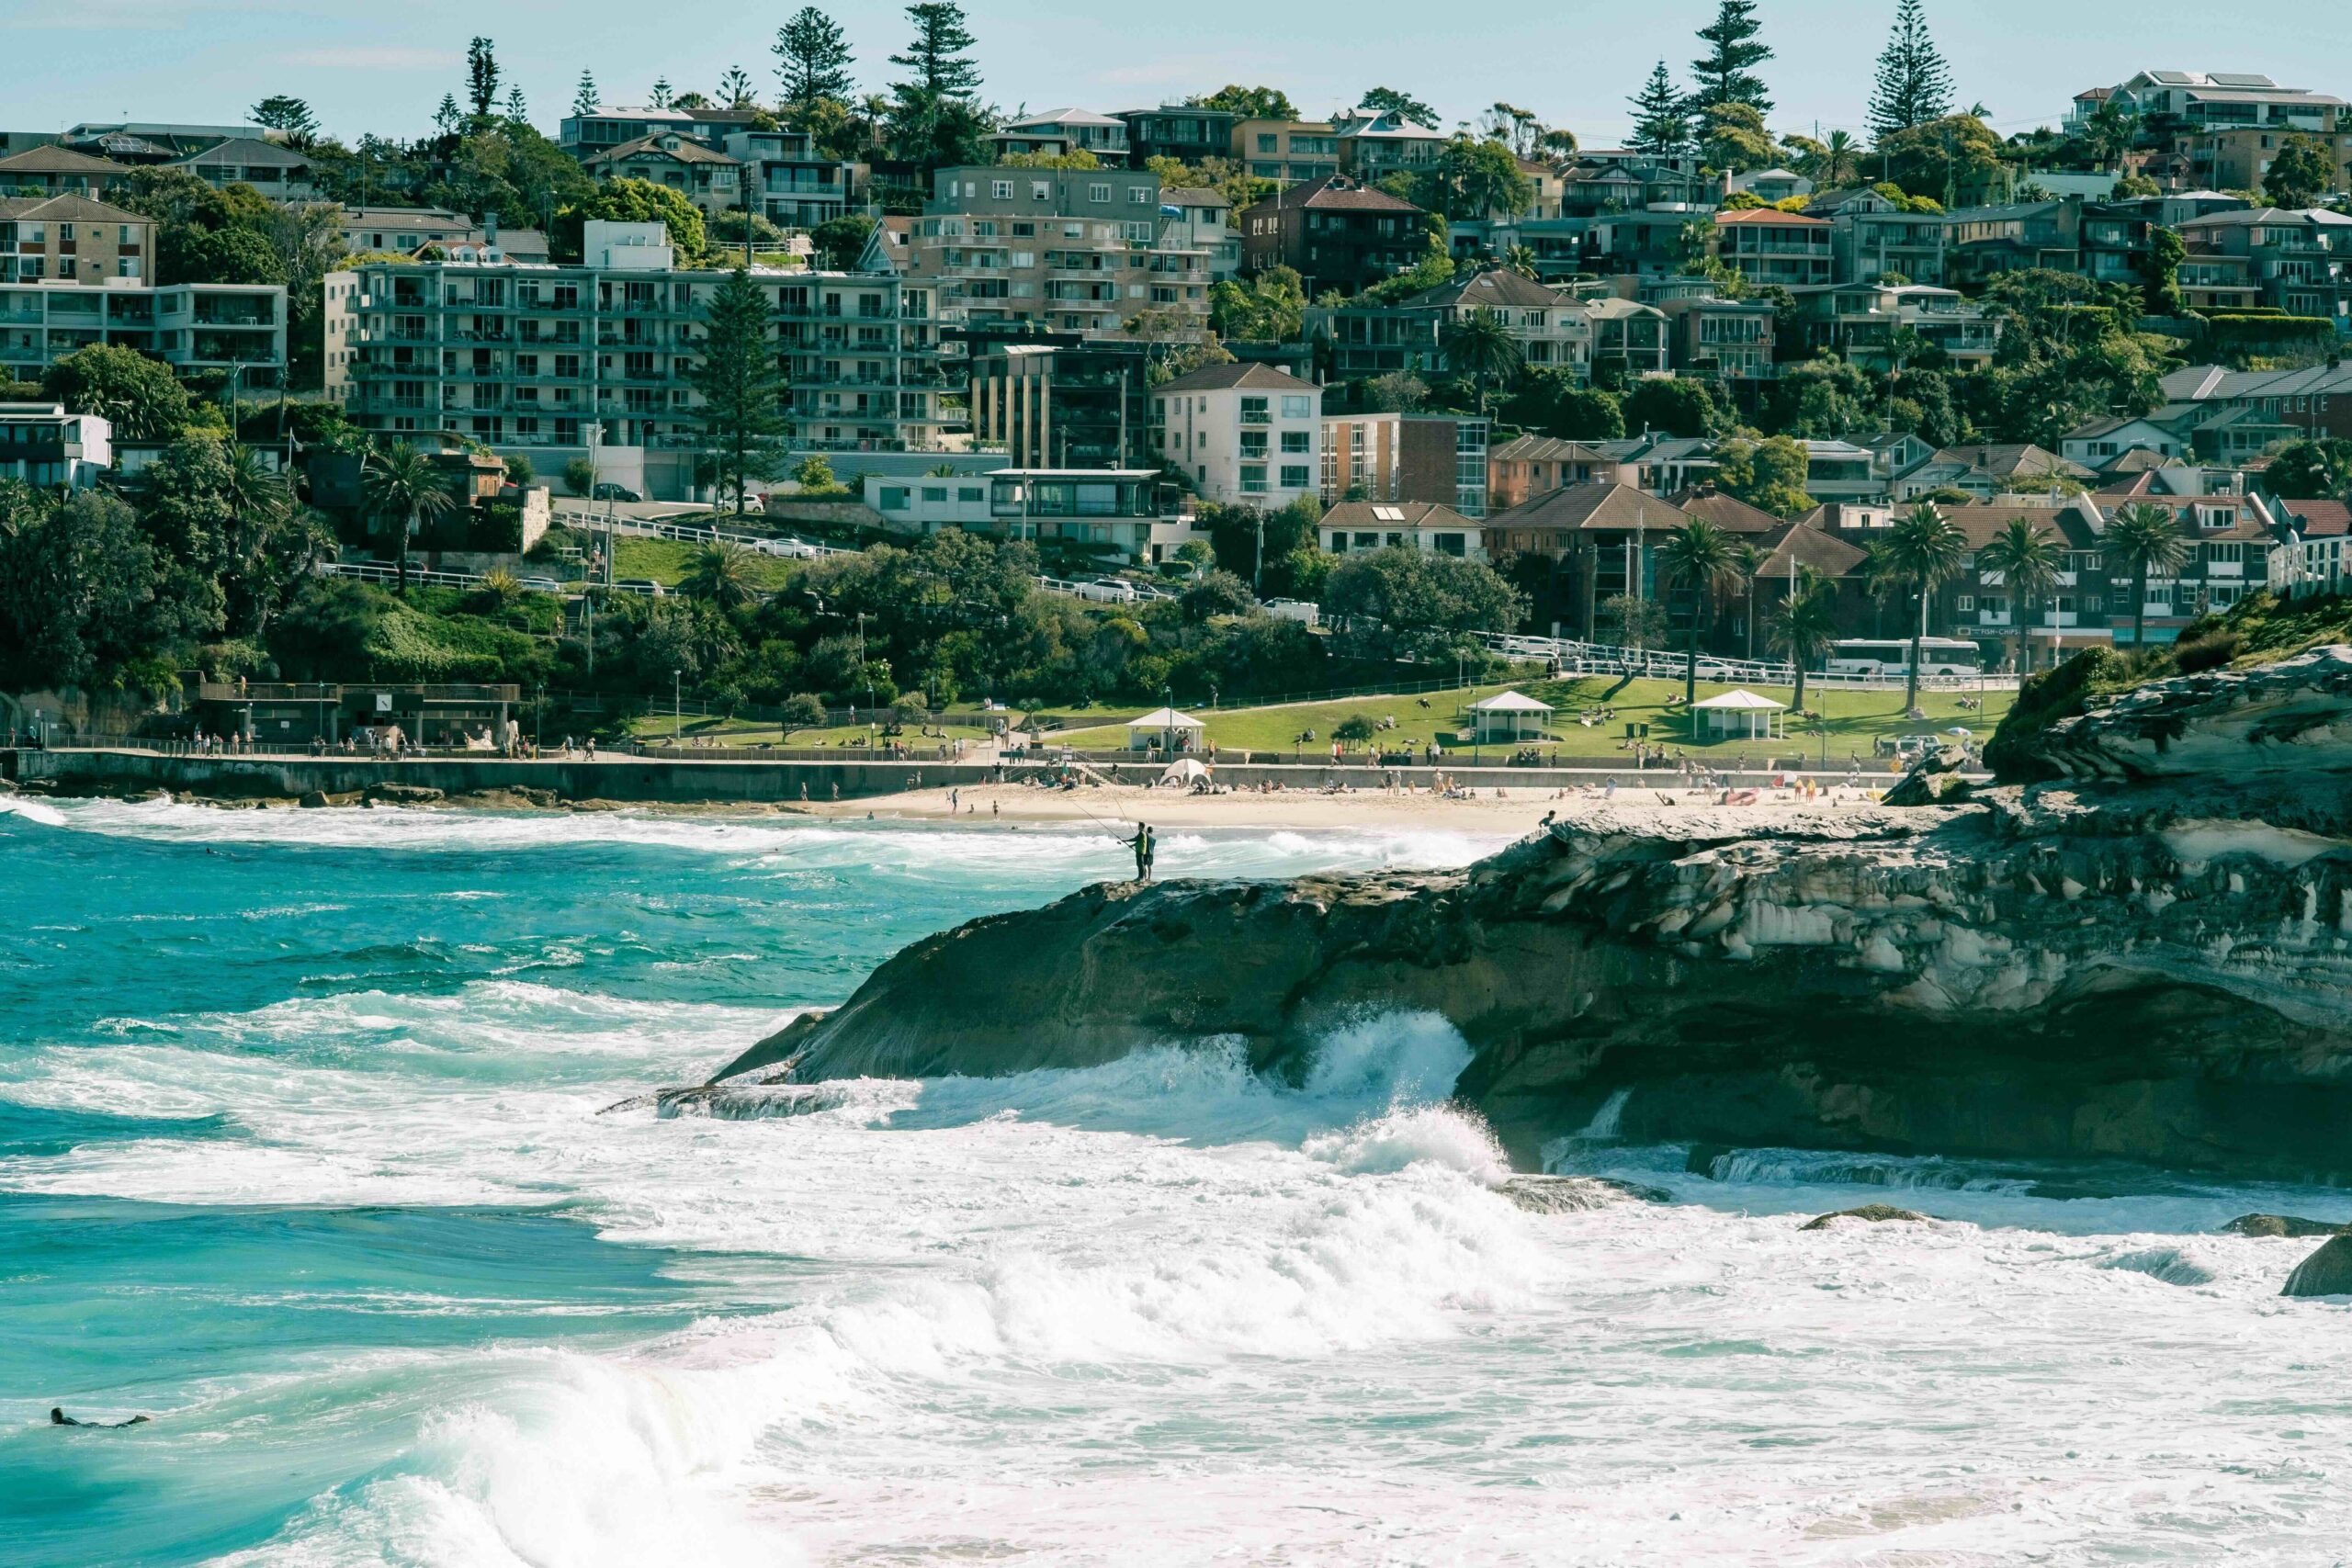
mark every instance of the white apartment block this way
{"type": "Point", "coordinates": [1245, 434]}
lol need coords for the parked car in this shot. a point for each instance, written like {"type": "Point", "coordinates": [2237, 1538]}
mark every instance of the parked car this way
{"type": "Point", "coordinates": [792, 550]}
{"type": "Point", "coordinates": [645, 585]}
{"type": "Point", "coordinates": [542, 586]}
{"type": "Point", "coordinates": [1303, 612]}
{"type": "Point", "coordinates": [1108, 591]}
{"type": "Point", "coordinates": [612, 492]}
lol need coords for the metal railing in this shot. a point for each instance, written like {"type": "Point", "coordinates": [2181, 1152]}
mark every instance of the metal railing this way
{"type": "Point", "coordinates": [1605, 659]}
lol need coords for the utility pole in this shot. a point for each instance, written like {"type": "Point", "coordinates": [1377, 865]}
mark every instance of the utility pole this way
{"type": "Point", "coordinates": [674, 679]}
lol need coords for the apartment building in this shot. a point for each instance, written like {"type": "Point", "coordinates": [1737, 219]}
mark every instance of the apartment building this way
{"type": "Point", "coordinates": [2294, 261]}
{"type": "Point", "coordinates": [1870, 237]}
{"type": "Point", "coordinates": [1335, 233]}
{"type": "Point", "coordinates": [1374, 143]}
{"type": "Point", "coordinates": [1869, 323]}
{"type": "Point", "coordinates": [712, 181]}
{"type": "Point", "coordinates": [58, 171]}
{"type": "Point", "coordinates": [1185, 132]}
{"type": "Point", "coordinates": [1287, 152]}
{"type": "Point", "coordinates": [1245, 434]}
{"type": "Point", "coordinates": [2169, 102]}
{"type": "Point", "coordinates": [1124, 512]}
{"type": "Point", "coordinates": [1059, 132]}
{"type": "Point", "coordinates": [788, 181]}
{"type": "Point", "coordinates": [1439, 459]}
{"type": "Point", "coordinates": [551, 361]}
{"type": "Point", "coordinates": [1630, 334]}
{"type": "Point", "coordinates": [71, 239]}
{"type": "Point", "coordinates": [277, 172]}
{"type": "Point", "coordinates": [1059, 400]}
{"type": "Point", "coordinates": [1982, 241]}
{"type": "Point", "coordinates": [1529, 466]}
{"type": "Point", "coordinates": [1203, 221]}
{"type": "Point", "coordinates": [1554, 331]}
{"type": "Point", "coordinates": [235, 328]}
{"type": "Point", "coordinates": [1085, 251]}
{"type": "Point", "coordinates": [1709, 335]}
{"type": "Point", "coordinates": [1767, 246]}
{"type": "Point", "coordinates": [1401, 524]}
{"type": "Point", "coordinates": [605, 128]}
{"type": "Point", "coordinates": [44, 446]}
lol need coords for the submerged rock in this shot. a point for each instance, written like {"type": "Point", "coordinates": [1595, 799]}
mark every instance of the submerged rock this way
{"type": "Point", "coordinates": [1875, 1213]}
{"type": "Point", "coordinates": [1574, 1195]}
{"type": "Point", "coordinates": [2282, 1224]}
{"type": "Point", "coordinates": [313, 800]}
{"type": "Point", "coordinates": [401, 795]}
{"type": "Point", "coordinates": [2326, 1272]}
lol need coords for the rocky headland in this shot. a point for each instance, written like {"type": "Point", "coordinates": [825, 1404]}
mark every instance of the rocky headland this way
{"type": "Point", "coordinates": [2147, 955]}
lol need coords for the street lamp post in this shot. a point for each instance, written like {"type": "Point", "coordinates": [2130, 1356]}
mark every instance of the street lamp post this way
{"type": "Point", "coordinates": [674, 678]}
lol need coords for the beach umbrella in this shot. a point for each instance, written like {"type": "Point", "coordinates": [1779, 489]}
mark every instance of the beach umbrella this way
{"type": "Point", "coordinates": [1957, 730]}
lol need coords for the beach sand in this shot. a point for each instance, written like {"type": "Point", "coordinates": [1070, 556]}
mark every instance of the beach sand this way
{"type": "Point", "coordinates": [1511, 811]}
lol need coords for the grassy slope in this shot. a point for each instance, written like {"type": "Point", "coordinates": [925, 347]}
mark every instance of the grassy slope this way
{"type": "Point", "coordinates": [667, 560]}
{"type": "Point", "coordinates": [1852, 718]}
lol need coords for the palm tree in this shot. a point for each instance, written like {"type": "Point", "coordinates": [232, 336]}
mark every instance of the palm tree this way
{"type": "Point", "coordinates": [1701, 557]}
{"type": "Point", "coordinates": [1521, 259]}
{"type": "Point", "coordinates": [403, 488]}
{"type": "Point", "coordinates": [1921, 551]}
{"type": "Point", "coordinates": [1839, 157]}
{"type": "Point", "coordinates": [720, 574]}
{"type": "Point", "coordinates": [2147, 538]}
{"type": "Point", "coordinates": [1806, 627]}
{"type": "Point", "coordinates": [2029, 562]}
{"type": "Point", "coordinates": [1481, 348]}
{"type": "Point", "coordinates": [259, 500]}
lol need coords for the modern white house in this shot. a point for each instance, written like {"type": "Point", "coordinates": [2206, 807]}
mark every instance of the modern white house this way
{"type": "Point", "coordinates": [1246, 435]}
{"type": "Point", "coordinates": [47, 448]}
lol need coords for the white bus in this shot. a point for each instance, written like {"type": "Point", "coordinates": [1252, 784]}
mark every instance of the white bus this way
{"type": "Point", "coordinates": [1892, 656]}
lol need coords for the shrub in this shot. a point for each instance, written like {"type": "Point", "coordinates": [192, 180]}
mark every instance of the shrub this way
{"type": "Point", "coordinates": [519, 471]}
{"type": "Point", "coordinates": [803, 710]}
{"type": "Point", "coordinates": [2210, 651]}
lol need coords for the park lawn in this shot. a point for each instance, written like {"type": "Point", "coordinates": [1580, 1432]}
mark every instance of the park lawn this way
{"type": "Point", "coordinates": [1852, 719]}
{"type": "Point", "coordinates": [667, 561]}
{"type": "Point", "coordinates": [744, 731]}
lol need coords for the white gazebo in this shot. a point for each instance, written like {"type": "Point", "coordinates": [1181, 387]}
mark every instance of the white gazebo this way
{"type": "Point", "coordinates": [1509, 716]}
{"type": "Point", "coordinates": [1166, 729]}
{"type": "Point", "coordinates": [1741, 713]}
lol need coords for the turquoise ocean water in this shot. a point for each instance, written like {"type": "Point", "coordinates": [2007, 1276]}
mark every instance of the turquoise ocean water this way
{"type": "Point", "coordinates": [305, 1153]}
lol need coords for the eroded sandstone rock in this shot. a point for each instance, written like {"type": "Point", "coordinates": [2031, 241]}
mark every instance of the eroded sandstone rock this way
{"type": "Point", "coordinates": [1871, 1213]}
{"type": "Point", "coordinates": [2326, 1272]}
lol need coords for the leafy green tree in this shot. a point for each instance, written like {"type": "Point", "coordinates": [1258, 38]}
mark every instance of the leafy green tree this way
{"type": "Point", "coordinates": [1388, 100]}
{"type": "Point", "coordinates": [2311, 470]}
{"type": "Point", "coordinates": [1249, 103]}
{"type": "Point", "coordinates": [2146, 539]}
{"type": "Point", "coordinates": [1218, 593]}
{"type": "Point", "coordinates": [1824, 399]}
{"type": "Point", "coordinates": [1269, 307]}
{"type": "Point", "coordinates": [633, 202]}
{"type": "Point", "coordinates": [1475, 179]}
{"type": "Point", "coordinates": [1944, 158]}
{"type": "Point", "coordinates": [1726, 73]}
{"type": "Point", "coordinates": [405, 490]}
{"type": "Point", "coordinates": [839, 241]}
{"type": "Point", "coordinates": [2300, 173]}
{"type": "Point", "coordinates": [518, 109]}
{"type": "Point", "coordinates": [1676, 405]}
{"type": "Point", "coordinates": [1407, 601]}
{"type": "Point", "coordinates": [2028, 559]}
{"type": "Point", "coordinates": [933, 111]}
{"type": "Point", "coordinates": [2161, 267]}
{"type": "Point", "coordinates": [1921, 551]}
{"type": "Point", "coordinates": [1769, 474]}
{"type": "Point", "coordinates": [815, 475]}
{"type": "Point", "coordinates": [1914, 82]}
{"type": "Point", "coordinates": [660, 96]}
{"type": "Point", "coordinates": [80, 599]}
{"type": "Point", "coordinates": [1549, 403]}
{"type": "Point", "coordinates": [449, 118]}
{"type": "Point", "coordinates": [287, 114]}
{"type": "Point", "coordinates": [138, 396]}
{"type": "Point", "coordinates": [736, 91]}
{"type": "Point", "coordinates": [1699, 557]}
{"type": "Point", "coordinates": [1731, 139]}
{"type": "Point", "coordinates": [721, 574]}
{"type": "Point", "coordinates": [481, 77]}
{"type": "Point", "coordinates": [1661, 116]}
{"type": "Point", "coordinates": [585, 99]}
{"type": "Point", "coordinates": [1807, 626]}
{"type": "Point", "coordinates": [578, 476]}
{"type": "Point", "coordinates": [1481, 348]}
{"type": "Point", "coordinates": [739, 386]}
{"type": "Point", "coordinates": [812, 61]}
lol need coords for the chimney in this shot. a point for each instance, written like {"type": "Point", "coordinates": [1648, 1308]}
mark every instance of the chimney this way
{"type": "Point", "coordinates": [490, 229]}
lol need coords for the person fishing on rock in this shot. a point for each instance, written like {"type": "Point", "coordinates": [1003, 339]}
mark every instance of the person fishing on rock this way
{"type": "Point", "coordinates": [1147, 848]}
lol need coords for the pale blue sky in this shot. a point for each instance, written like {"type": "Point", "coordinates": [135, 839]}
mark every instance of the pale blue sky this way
{"type": "Point", "coordinates": [384, 68]}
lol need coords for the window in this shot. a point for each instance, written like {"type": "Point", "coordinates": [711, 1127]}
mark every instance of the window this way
{"type": "Point", "coordinates": [1253, 479]}
{"type": "Point", "coordinates": [1298, 441]}
{"type": "Point", "coordinates": [1099, 191]}
{"type": "Point", "coordinates": [934, 494]}
{"type": "Point", "coordinates": [1253, 443]}
{"type": "Point", "coordinates": [1295, 406]}
{"type": "Point", "coordinates": [1041, 190]}
{"type": "Point", "coordinates": [1138, 195]}
{"type": "Point", "coordinates": [894, 498]}
{"type": "Point", "coordinates": [1253, 410]}
{"type": "Point", "coordinates": [1294, 476]}
{"type": "Point", "coordinates": [968, 494]}
{"type": "Point", "coordinates": [1266, 142]}
{"type": "Point", "coordinates": [1964, 604]}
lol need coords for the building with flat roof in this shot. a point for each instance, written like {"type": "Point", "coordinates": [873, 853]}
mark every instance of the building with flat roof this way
{"type": "Point", "coordinates": [1434, 458]}
{"type": "Point", "coordinates": [1124, 513]}
{"type": "Point", "coordinates": [1335, 233]}
{"type": "Point", "coordinates": [277, 171]}
{"type": "Point", "coordinates": [551, 361]}
{"type": "Point", "coordinates": [44, 446]}
{"type": "Point", "coordinates": [1245, 434]}
{"type": "Point", "coordinates": [1059, 400]}
{"type": "Point", "coordinates": [237, 328]}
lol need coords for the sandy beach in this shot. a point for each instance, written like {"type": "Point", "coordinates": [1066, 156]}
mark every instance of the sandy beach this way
{"type": "Point", "coordinates": [1487, 811]}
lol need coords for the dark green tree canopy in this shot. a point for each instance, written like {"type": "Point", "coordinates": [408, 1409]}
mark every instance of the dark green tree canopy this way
{"type": "Point", "coordinates": [1388, 100]}
{"type": "Point", "coordinates": [812, 59]}
{"type": "Point", "coordinates": [1726, 73]}
{"type": "Point", "coordinates": [1249, 103]}
{"type": "Point", "coordinates": [1661, 119]}
{"type": "Point", "coordinates": [1914, 84]}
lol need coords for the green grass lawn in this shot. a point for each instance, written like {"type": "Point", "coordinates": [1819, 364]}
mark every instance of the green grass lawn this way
{"type": "Point", "coordinates": [656, 727]}
{"type": "Point", "coordinates": [1853, 719]}
{"type": "Point", "coordinates": [665, 561]}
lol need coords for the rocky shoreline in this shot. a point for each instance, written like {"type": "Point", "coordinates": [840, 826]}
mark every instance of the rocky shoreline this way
{"type": "Point", "coordinates": [2148, 959]}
